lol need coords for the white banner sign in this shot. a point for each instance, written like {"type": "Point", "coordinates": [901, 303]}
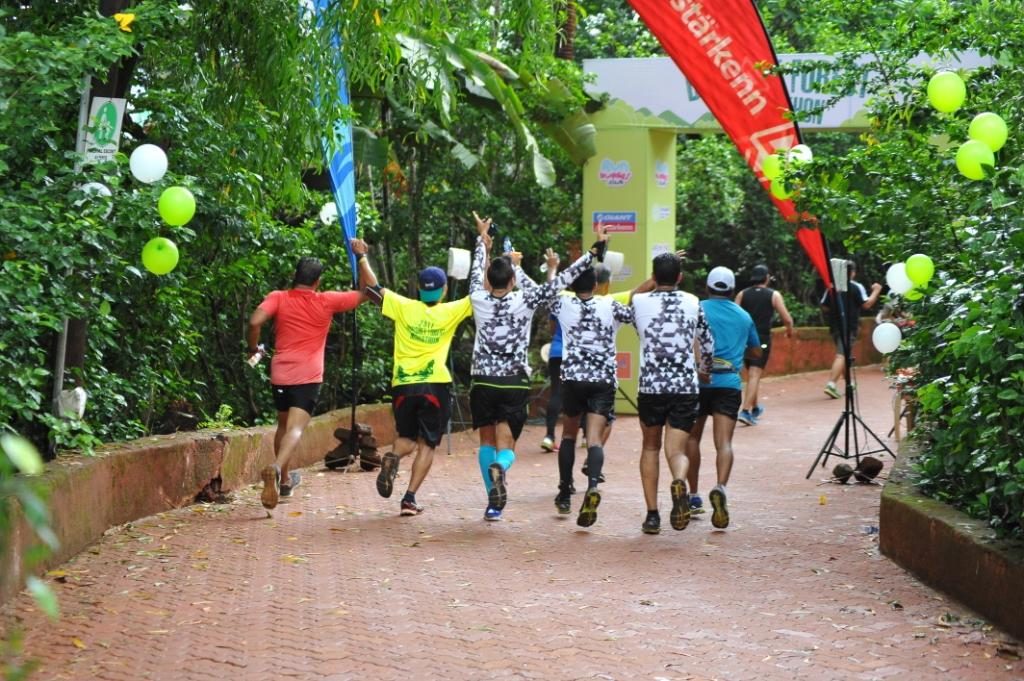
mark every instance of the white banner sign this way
{"type": "Point", "coordinates": [655, 86]}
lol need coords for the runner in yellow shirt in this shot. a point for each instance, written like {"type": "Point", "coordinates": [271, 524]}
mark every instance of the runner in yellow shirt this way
{"type": "Point", "coordinates": [420, 381]}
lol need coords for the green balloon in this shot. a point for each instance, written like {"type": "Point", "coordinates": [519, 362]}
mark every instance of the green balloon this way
{"type": "Point", "coordinates": [159, 255]}
{"type": "Point", "coordinates": [920, 269]}
{"type": "Point", "coordinates": [177, 206]}
{"type": "Point", "coordinates": [779, 189]}
{"type": "Point", "coordinates": [946, 91]}
{"type": "Point", "coordinates": [972, 156]}
{"type": "Point", "coordinates": [913, 294]}
{"type": "Point", "coordinates": [771, 166]}
{"type": "Point", "coordinates": [989, 128]}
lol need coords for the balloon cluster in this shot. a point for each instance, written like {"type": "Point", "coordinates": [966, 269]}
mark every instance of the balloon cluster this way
{"type": "Point", "coordinates": [774, 168]}
{"type": "Point", "coordinates": [176, 206]}
{"type": "Point", "coordinates": [987, 132]}
{"type": "Point", "coordinates": [904, 279]}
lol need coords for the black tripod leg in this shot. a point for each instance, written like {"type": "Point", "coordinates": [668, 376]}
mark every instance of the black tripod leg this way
{"type": "Point", "coordinates": [868, 431]}
{"type": "Point", "coordinates": [826, 449]}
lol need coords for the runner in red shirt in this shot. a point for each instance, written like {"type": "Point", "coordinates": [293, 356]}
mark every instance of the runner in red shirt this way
{"type": "Point", "coordinates": [302, 317]}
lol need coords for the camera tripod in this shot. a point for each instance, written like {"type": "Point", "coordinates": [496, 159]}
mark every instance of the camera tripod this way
{"type": "Point", "coordinates": [854, 443]}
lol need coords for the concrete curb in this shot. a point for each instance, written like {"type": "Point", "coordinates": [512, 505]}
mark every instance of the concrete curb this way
{"type": "Point", "coordinates": [950, 551]}
{"type": "Point", "coordinates": [131, 480]}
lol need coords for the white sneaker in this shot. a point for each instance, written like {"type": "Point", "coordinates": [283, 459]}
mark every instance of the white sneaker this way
{"type": "Point", "coordinates": [547, 444]}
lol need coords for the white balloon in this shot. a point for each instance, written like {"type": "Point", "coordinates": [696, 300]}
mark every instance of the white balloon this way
{"type": "Point", "coordinates": [329, 213]}
{"type": "Point", "coordinates": [897, 279]}
{"type": "Point", "coordinates": [886, 337]}
{"type": "Point", "coordinates": [96, 189]}
{"type": "Point", "coordinates": [800, 154]}
{"type": "Point", "coordinates": [148, 163]}
{"type": "Point", "coordinates": [545, 352]}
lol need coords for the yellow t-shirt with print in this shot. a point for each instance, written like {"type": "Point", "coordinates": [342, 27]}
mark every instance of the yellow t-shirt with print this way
{"type": "Point", "coordinates": [423, 335]}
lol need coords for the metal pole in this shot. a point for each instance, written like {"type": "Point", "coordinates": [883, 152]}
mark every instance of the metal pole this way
{"type": "Point", "coordinates": [62, 340]}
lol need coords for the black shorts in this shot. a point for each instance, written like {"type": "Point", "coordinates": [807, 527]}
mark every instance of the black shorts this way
{"type": "Point", "coordinates": [586, 396]}
{"type": "Point", "coordinates": [302, 396]}
{"type": "Point", "coordinates": [766, 350]}
{"type": "Point", "coordinates": [724, 401]}
{"type": "Point", "coordinates": [421, 411]}
{"type": "Point", "coordinates": [494, 400]}
{"type": "Point", "coordinates": [679, 411]}
{"type": "Point", "coordinates": [837, 338]}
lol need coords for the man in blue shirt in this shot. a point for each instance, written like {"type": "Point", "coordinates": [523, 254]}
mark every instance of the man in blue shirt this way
{"type": "Point", "coordinates": [721, 393]}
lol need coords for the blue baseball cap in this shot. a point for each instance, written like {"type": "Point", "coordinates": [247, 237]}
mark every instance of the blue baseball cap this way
{"type": "Point", "coordinates": [432, 283]}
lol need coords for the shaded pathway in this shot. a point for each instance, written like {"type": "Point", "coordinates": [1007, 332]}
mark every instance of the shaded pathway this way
{"type": "Point", "coordinates": [337, 586]}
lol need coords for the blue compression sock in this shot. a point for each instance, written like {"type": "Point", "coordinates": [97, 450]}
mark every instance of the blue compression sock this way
{"type": "Point", "coordinates": [506, 458]}
{"type": "Point", "coordinates": [486, 456]}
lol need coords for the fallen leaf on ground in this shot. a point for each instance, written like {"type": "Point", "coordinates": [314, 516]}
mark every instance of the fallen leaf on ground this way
{"type": "Point", "coordinates": [77, 642]}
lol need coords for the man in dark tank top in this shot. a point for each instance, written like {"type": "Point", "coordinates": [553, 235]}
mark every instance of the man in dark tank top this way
{"type": "Point", "coordinates": [761, 302]}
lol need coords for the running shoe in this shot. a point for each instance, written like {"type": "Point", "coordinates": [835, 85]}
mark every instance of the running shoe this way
{"type": "Point", "coordinates": [294, 480]}
{"type": "Point", "coordinates": [651, 524]}
{"type": "Point", "coordinates": [271, 476]}
{"type": "Point", "coordinates": [696, 504]}
{"type": "Point", "coordinates": [497, 495]}
{"type": "Point", "coordinates": [720, 514]}
{"type": "Point", "coordinates": [548, 444]}
{"type": "Point", "coordinates": [492, 514]}
{"type": "Point", "coordinates": [563, 501]}
{"type": "Point", "coordinates": [680, 516]}
{"type": "Point", "coordinates": [757, 411]}
{"type": "Point", "coordinates": [746, 418]}
{"type": "Point", "coordinates": [386, 476]}
{"type": "Point", "coordinates": [830, 390]}
{"type": "Point", "coordinates": [588, 511]}
{"type": "Point", "coordinates": [410, 507]}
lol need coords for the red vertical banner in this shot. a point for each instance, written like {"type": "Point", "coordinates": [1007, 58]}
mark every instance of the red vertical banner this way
{"type": "Point", "coordinates": [722, 48]}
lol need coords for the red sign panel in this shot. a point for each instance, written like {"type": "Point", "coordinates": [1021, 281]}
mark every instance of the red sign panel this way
{"type": "Point", "coordinates": [723, 50]}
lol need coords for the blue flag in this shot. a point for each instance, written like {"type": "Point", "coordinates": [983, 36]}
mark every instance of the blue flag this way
{"type": "Point", "coordinates": [339, 155]}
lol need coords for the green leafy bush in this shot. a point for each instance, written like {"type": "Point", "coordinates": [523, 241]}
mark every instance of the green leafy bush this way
{"type": "Point", "coordinates": [899, 193]}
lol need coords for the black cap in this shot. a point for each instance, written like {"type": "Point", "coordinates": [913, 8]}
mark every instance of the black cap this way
{"type": "Point", "coordinates": [759, 273]}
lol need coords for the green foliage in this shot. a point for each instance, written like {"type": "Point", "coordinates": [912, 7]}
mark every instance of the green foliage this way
{"type": "Point", "coordinates": [726, 219]}
{"type": "Point", "coordinates": [899, 193]}
{"type": "Point", "coordinates": [19, 463]}
{"type": "Point", "coordinates": [221, 420]}
{"type": "Point", "coordinates": [223, 87]}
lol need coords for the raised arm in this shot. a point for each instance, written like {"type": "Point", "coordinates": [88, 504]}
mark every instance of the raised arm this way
{"type": "Point", "coordinates": [367, 278]}
{"type": "Point", "coordinates": [552, 261]}
{"type": "Point", "coordinates": [645, 286]}
{"type": "Point", "coordinates": [523, 280]}
{"type": "Point", "coordinates": [876, 290]}
{"type": "Point", "coordinates": [780, 306]}
{"type": "Point", "coordinates": [477, 280]}
{"type": "Point", "coordinates": [706, 343]}
{"type": "Point", "coordinates": [370, 288]}
{"type": "Point", "coordinates": [543, 294]}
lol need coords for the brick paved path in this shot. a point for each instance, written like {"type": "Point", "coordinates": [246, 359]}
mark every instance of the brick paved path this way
{"type": "Point", "coordinates": [337, 586]}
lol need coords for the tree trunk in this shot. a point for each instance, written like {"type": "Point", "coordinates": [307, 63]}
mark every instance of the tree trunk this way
{"type": "Point", "coordinates": [565, 45]}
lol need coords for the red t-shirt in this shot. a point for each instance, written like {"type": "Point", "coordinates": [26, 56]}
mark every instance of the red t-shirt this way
{"type": "Point", "coordinates": [301, 320]}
